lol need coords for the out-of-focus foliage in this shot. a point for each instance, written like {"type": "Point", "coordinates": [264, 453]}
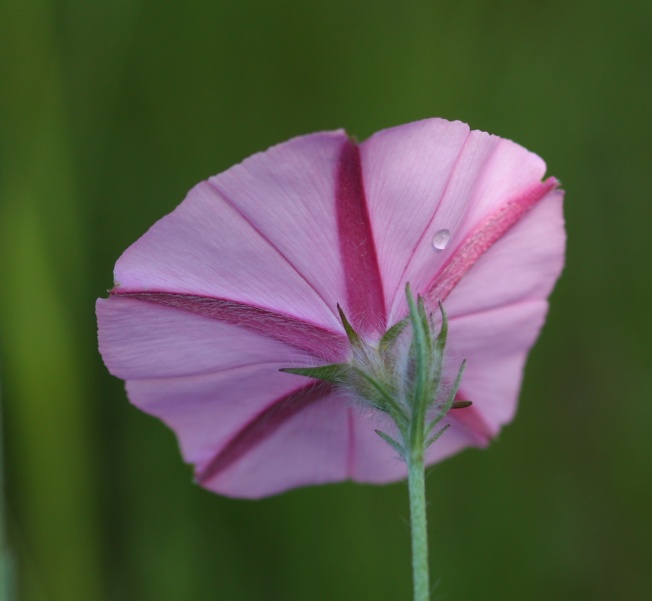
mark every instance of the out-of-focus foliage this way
{"type": "Point", "coordinates": [110, 111]}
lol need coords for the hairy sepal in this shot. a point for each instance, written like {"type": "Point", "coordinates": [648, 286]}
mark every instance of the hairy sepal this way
{"type": "Point", "coordinates": [336, 373]}
{"type": "Point", "coordinates": [399, 376]}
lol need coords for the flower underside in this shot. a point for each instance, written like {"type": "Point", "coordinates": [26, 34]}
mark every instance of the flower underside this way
{"type": "Point", "coordinates": [244, 278]}
{"type": "Point", "coordinates": [402, 378]}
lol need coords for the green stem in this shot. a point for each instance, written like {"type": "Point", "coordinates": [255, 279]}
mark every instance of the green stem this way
{"type": "Point", "coordinates": [418, 526]}
{"type": "Point", "coordinates": [424, 391]}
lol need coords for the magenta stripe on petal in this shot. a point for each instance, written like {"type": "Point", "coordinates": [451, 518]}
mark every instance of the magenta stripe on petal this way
{"type": "Point", "coordinates": [262, 427]}
{"type": "Point", "coordinates": [483, 237]}
{"type": "Point", "coordinates": [325, 344]}
{"type": "Point", "coordinates": [365, 306]}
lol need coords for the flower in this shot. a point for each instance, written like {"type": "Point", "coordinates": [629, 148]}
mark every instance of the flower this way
{"type": "Point", "coordinates": [244, 279]}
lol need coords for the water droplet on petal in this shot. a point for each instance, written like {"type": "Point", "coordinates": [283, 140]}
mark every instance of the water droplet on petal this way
{"type": "Point", "coordinates": [440, 239]}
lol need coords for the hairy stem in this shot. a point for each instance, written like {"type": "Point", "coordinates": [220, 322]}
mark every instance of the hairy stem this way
{"type": "Point", "coordinates": [418, 526]}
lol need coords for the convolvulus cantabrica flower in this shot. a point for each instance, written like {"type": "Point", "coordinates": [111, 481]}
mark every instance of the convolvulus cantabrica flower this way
{"type": "Point", "coordinates": [244, 278]}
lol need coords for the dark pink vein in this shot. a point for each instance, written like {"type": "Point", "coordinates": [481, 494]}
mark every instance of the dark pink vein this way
{"type": "Point", "coordinates": [485, 234]}
{"type": "Point", "coordinates": [365, 299]}
{"type": "Point", "coordinates": [483, 237]}
{"type": "Point", "coordinates": [324, 344]}
{"type": "Point", "coordinates": [261, 427]}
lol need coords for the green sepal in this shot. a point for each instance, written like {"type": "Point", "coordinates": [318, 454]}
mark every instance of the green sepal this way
{"type": "Point", "coordinates": [392, 443]}
{"type": "Point", "coordinates": [411, 399]}
{"type": "Point", "coordinates": [425, 322]}
{"type": "Point", "coordinates": [440, 341]}
{"type": "Point", "coordinates": [440, 415]}
{"type": "Point", "coordinates": [450, 401]}
{"type": "Point", "coordinates": [391, 335]}
{"type": "Point", "coordinates": [386, 399]}
{"type": "Point", "coordinates": [337, 373]}
{"type": "Point", "coordinates": [352, 335]}
{"type": "Point", "coordinates": [436, 436]}
{"type": "Point", "coordinates": [419, 352]}
{"type": "Point", "coordinates": [436, 357]}
{"type": "Point", "coordinates": [456, 386]}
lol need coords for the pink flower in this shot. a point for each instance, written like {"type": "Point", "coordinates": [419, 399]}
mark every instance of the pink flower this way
{"type": "Point", "coordinates": [244, 278]}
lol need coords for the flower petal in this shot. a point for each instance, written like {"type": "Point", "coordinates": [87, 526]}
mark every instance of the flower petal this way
{"type": "Point", "coordinates": [222, 419]}
{"type": "Point", "coordinates": [310, 447]}
{"type": "Point", "coordinates": [522, 265]}
{"type": "Point", "coordinates": [434, 176]}
{"type": "Point", "coordinates": [495, 344]}
{"type": "Point", "coordinates": [497, 309]}
{"type": "Point", "coordinates": [244, 235]}
{"type": "Point", "coordinates": [206, 411]}
{"type": "Point", "coordinates": [141, 340]}
{"type": "Point", "coordinates": [406, 170]}
{"type": "Point", "coordinates": [245, 276]}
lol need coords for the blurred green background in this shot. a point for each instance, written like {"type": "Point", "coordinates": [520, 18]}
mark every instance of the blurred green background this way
{"type": "Point", "coordinates": [110, 111]}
